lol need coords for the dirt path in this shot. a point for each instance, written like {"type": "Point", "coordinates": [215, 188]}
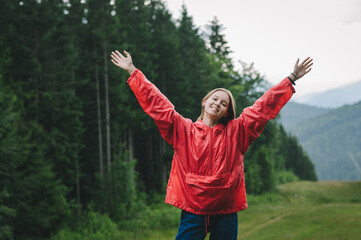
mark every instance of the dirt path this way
{"type": "Point", "coordinates": [260, 226]}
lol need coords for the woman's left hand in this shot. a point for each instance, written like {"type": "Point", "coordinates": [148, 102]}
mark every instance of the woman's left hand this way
{"type": "Point", "coordinates": [301, 69]}
{"type": "Point", "coordinates": [125, 63]}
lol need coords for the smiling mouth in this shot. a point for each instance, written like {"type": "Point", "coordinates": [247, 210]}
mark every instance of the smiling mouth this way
{"type": "Point", "coordinates": [216, 109]}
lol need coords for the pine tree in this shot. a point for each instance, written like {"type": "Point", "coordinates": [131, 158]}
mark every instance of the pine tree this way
{"type": "Point", "coordinates": [197, 73]}
{"type": "Point", "coordinates": [9, 149]}
{"type": "Point", "coordinates": [49, 129]}
{"type": "Point", "coordinates": [6, 214]}
{"type": "Point", "coordinates": [297, 160]}
{"type": "Point", "coordinates": [218, 46]}
{"type": "Point", "coordinates": [75, 22]}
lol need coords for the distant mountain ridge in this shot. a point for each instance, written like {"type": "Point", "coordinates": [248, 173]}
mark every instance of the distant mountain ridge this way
{"type": "Point", "coordinates": [331, 137]}
{"type": "Point", "coordinates": [293, 113]}
{"type": "Point", "coordinates": [333, 98]}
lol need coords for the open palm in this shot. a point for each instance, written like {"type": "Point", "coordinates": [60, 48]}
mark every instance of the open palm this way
{"type": "Point", "coordinates": [302, 69]}
{"type": "Point", "coordinates": [125, 63]}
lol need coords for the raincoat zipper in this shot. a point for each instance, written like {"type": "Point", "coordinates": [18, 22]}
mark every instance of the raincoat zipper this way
{"type": "Point", "coordinates": [211, 153]}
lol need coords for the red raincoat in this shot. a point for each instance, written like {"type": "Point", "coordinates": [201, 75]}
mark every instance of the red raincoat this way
{"type": "Point", "coordinates": [207, 175]}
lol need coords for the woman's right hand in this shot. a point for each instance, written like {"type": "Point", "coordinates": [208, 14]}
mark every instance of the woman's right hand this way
{"type": "Point", "coordinates": [123, 62]}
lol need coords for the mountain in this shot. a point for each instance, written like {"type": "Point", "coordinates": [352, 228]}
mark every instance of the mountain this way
{"type": "Point", "coordinates": [292, 114]}
{"type": "Point", "coordinates": [333, 98]}
{"type": "Point", "coordinates": [333, 142]}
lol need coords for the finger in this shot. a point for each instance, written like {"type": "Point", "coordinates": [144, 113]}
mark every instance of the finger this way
{"type": "Point", "coordinates": [114, 54]}
{"type": "Point", "coordinates": [115, 63]}
{"type": "Point", "coordinates": [296, 64]}
{"type": "Point", "coordinates": [307, 66]}
{"type": "Point", "coordinates": [128, 55]}
{"type": "Point", "coordinates": [119, 54]}
{"type": "Point", "coordinates": [115, 57]}
{"type": "Point", "coordinates": [303, 62]}
{"type": "Point", "coordinates": [308, 62]}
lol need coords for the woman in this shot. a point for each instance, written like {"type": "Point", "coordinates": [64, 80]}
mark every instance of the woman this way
{"type": "Point", "coordinates": [207, 176]}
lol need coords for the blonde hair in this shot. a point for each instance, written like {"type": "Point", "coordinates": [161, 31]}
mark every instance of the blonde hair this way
{"type": "Point", "coordinates": [231, 106]}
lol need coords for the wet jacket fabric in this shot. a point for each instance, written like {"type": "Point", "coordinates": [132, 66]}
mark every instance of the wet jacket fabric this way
{"type": "Point", "coordinates": [207, 174]}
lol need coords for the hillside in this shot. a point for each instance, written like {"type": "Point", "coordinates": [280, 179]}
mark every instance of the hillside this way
{"type": "Point", "coordinates": [299, 211]}
{"type": "Point", "coordinates": [292, 114]}
{"type": "Point", "coordinates": [307, 211]}
{"type": "Point", "coordinates": [333, 142]}
{"type": "Point", "coordinates": [333, 98]}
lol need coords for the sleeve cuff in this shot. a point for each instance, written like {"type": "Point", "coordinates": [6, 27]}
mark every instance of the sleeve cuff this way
{"type": "Point", "coordinates": [134, 74]}
{"type": "Point", "coordinates": [293, 82]}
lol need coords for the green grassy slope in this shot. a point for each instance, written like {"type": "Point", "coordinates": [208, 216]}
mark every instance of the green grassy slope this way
{"type": "Point", "coordinates": [299, 210]}
{"type": "Point", "coordinates": [306, 210]}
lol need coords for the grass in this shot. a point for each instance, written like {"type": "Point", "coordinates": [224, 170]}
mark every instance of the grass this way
{"type": "Point", "coordinates": [298, 211]}
{"type": "Point", "coordinates": [307, 211]}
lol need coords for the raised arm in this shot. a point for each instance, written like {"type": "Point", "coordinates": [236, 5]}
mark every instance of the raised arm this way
{"type": "Point", "coordinates": [153, 102]}
{"type": "Point", "coordinates": [254, 119]}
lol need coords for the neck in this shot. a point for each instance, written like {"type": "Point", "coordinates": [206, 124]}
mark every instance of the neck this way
{"type": "Point", "coordinates": [209, 121]}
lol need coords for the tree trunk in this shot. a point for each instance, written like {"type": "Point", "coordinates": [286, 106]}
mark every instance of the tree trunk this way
{"type": "Point", "coordinates": [149, 159]}
{"type": "Point", "coordinates": [107, 112]}
{"type": "Point", "coordinates": [77, 184]}
{"type": "Point", "coordinates": [130, 144]}
{"type": "Point", "coordinates": [163, 167]}
{"type": "Point", "coordinates": [131, 157]}
{"type": "Point", "coordinates": [100, 135]}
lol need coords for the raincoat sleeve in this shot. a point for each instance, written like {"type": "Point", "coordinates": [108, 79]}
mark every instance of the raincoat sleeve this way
{"type": "Point", "coordinates": [156, 105]}
{"type": "Point", "coordinates": [254, 118]}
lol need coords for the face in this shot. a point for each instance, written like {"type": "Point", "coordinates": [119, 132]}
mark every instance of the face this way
{"type": "Point", "coordinates": [216, 106]}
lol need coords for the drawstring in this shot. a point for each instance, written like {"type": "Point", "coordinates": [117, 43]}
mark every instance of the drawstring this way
{"type": "Point", "coordinates": [207, 222]}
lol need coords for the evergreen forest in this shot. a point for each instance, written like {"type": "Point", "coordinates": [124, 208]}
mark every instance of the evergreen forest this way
{"type": "Point", "coordinates": [74, 141]}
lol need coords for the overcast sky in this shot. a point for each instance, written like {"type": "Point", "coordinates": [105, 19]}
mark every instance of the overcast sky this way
{"type": "Point", "coordinates": [273, 34]}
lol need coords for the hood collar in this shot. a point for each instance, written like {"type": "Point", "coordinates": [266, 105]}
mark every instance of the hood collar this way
{"type": "Point", "coordinates": [202, 126]}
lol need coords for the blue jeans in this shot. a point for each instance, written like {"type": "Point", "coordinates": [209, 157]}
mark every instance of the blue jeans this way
{"type": "Point", "coordinates": [196, 227]}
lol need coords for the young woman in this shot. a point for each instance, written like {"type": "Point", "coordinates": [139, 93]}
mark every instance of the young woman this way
{"type": "Point", "coordinates": [207, 176]}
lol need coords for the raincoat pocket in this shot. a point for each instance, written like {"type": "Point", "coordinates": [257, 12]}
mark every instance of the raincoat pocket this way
{"type": "Point", "coordinates": [209, 192]}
